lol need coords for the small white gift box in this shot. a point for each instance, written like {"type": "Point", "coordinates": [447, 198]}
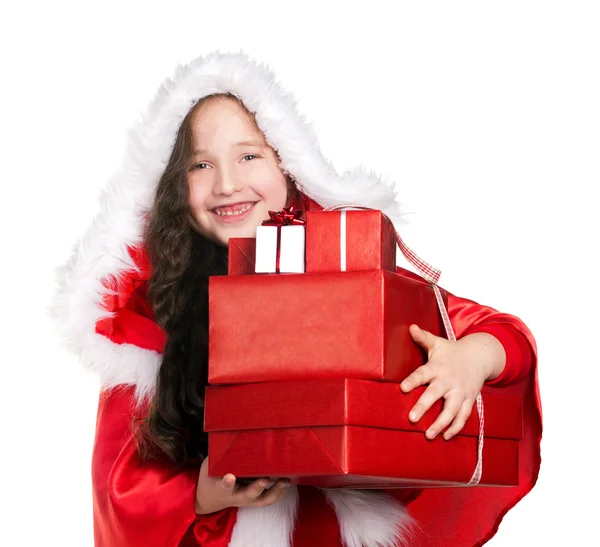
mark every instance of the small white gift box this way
{"type": "Point", "coordinates": [280, 247]}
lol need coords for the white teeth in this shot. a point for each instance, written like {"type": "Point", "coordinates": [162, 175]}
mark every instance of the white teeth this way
{"type": "Point", "coordinates": [230, 213]}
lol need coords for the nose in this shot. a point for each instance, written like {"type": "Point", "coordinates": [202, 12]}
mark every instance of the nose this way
{"type": "Point", "coordinates": [226, 183]}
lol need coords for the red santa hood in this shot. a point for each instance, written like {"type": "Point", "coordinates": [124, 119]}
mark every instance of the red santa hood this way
{"type": "Point", "coordinates": [107, 257]}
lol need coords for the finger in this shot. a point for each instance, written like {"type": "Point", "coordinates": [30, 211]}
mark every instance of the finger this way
{"type": "Point", "coordinates": [429, 396]}
{"type": "Point", "coordinates": [227, 483]}
{"type": "Point", "coordinates": [461, 418]}
{"type": "Point", "coordinates": [252, 491]}
{"type": "Point", "coordinates": [282, 483]}
{"type": "Point", "coordinates": [451, 407]}
{"type": "Point", "coordinates": [423, 375]}
{"type": "Point", "coordinates": [428, 341]}
{"type": "Point", "coordinates": [274, 494]}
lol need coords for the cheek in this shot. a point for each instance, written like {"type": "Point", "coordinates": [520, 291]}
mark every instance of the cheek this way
{"type": "Point", "coordinates": [273, 191]}
{"type": "Point", "coordinates": [197, 197]}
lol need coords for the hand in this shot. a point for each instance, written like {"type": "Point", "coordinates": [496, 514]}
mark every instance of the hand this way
{"type": "Point", "coordinates": [214, 494]}
{"type": "Point", "coordinates": [456, 371]}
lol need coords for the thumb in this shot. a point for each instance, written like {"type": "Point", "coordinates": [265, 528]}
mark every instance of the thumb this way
{"type": "Point", "coordinates": [422, 337]}
{"type": "Point", "coordinates": [228, 483]}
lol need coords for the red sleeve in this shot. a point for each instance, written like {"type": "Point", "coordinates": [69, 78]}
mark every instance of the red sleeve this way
{"type": "Point", "coordinates": [476, 513]}
{"type": "Point", "coordinates": [519, 355]}
{"type": "Point", "coordinates": [144, 503]}
{"type": "Point", "coordinates": [468, 317]}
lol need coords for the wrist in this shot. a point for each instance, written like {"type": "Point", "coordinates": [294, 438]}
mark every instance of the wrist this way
{"type": "Point", "coordinates": [203, 510]}
{"type": "Point", "coordinates": [203, 506]}
{"type": "Point", "coordinates": [489, 352]}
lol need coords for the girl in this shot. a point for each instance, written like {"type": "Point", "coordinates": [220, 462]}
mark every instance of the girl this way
{"type": "Point", "coordinates": [220, 146]}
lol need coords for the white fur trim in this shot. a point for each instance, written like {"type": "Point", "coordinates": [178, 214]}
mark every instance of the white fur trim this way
{"type": "Point", "coordinates": [366, 519]}
{"type": "Point", "coordinates": [102, 251]}
{"type": "Point", "coordinates": [270, 526]}
{"type": "Point", "coordinates": [370, 519]}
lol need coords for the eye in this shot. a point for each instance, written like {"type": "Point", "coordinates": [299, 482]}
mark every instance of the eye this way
{"type": "Point", "coordinates": [251, 156]}
{"type": "Point", "coordinates": [200, 166]}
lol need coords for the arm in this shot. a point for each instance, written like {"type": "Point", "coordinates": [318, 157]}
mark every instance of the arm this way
{"type": "Point", "coordinates": [515, 339]}
{"type": "Point", "coordinates": [490, 347]}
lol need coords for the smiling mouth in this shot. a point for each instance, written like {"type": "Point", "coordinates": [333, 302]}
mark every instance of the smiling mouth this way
{"type": "Point", "coordinates": [233, 210]}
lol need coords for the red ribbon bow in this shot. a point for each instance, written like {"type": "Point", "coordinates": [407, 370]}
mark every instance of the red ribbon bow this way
{"type": "Point", "coordinates": [287, 217]}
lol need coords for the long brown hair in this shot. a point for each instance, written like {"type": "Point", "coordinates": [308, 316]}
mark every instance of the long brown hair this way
{"type": "Point", "coordinates": [182, 261]}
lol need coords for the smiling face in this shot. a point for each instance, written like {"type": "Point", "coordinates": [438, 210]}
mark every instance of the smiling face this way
{"type": "Point", "coordinates": [234, 178]}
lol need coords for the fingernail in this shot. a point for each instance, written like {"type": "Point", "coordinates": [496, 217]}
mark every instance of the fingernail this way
{"type": "Point", "coordinates": [413, 416]}
{"type": "Point", "coordinates": [404, 386]}
{"type": "Point", "coordinates": [431, 434]}
{"type": "Point", "coordinates": [447, 436]}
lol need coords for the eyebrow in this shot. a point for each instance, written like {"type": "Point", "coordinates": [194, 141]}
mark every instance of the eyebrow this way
{"type": "Point", "coordinates": [241, 143]}
{"type": "Point", "coordinates": [248, 143]}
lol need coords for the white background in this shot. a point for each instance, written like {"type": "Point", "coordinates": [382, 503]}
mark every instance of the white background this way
{"type": "Point", "coordinates": [487, 116]}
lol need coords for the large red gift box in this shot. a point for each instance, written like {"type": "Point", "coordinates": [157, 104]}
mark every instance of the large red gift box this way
{"type": "Point", "coordinates": [311, 326]}
{"type": "Point", "coordinates": [354, 433]}
{"type": "Point", "coordinates": [349, 241]}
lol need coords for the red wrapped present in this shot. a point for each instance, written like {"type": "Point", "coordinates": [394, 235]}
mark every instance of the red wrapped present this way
{"type": "Point", "coordinates": [339, 241]}
{"type": "Point", "coordinates": [241, 255]}
{"type": "Point", "coordinates": [354, 433]}
{"type": "Point", "coordinates": [308, 326]}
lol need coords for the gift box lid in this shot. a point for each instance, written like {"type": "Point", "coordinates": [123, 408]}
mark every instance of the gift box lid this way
{"type": "Point", "coordinates": [341, 402]}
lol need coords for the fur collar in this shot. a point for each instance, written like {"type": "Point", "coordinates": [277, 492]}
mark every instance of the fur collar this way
{"type": "Point", "coordinates": [365, 519]}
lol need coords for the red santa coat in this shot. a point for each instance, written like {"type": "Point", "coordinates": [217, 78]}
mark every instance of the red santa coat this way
{"type": "Point", "coordinates": [153, 505]}
{"type": "Point", "coordinates": [104, 315]}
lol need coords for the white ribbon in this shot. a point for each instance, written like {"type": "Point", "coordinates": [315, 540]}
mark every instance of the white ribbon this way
{"type": "Point", "coordinates": [343, 241]}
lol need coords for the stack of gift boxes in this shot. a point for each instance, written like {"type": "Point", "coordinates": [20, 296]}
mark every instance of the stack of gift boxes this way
{"type": "Point", "coordinates": [308, 344]}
